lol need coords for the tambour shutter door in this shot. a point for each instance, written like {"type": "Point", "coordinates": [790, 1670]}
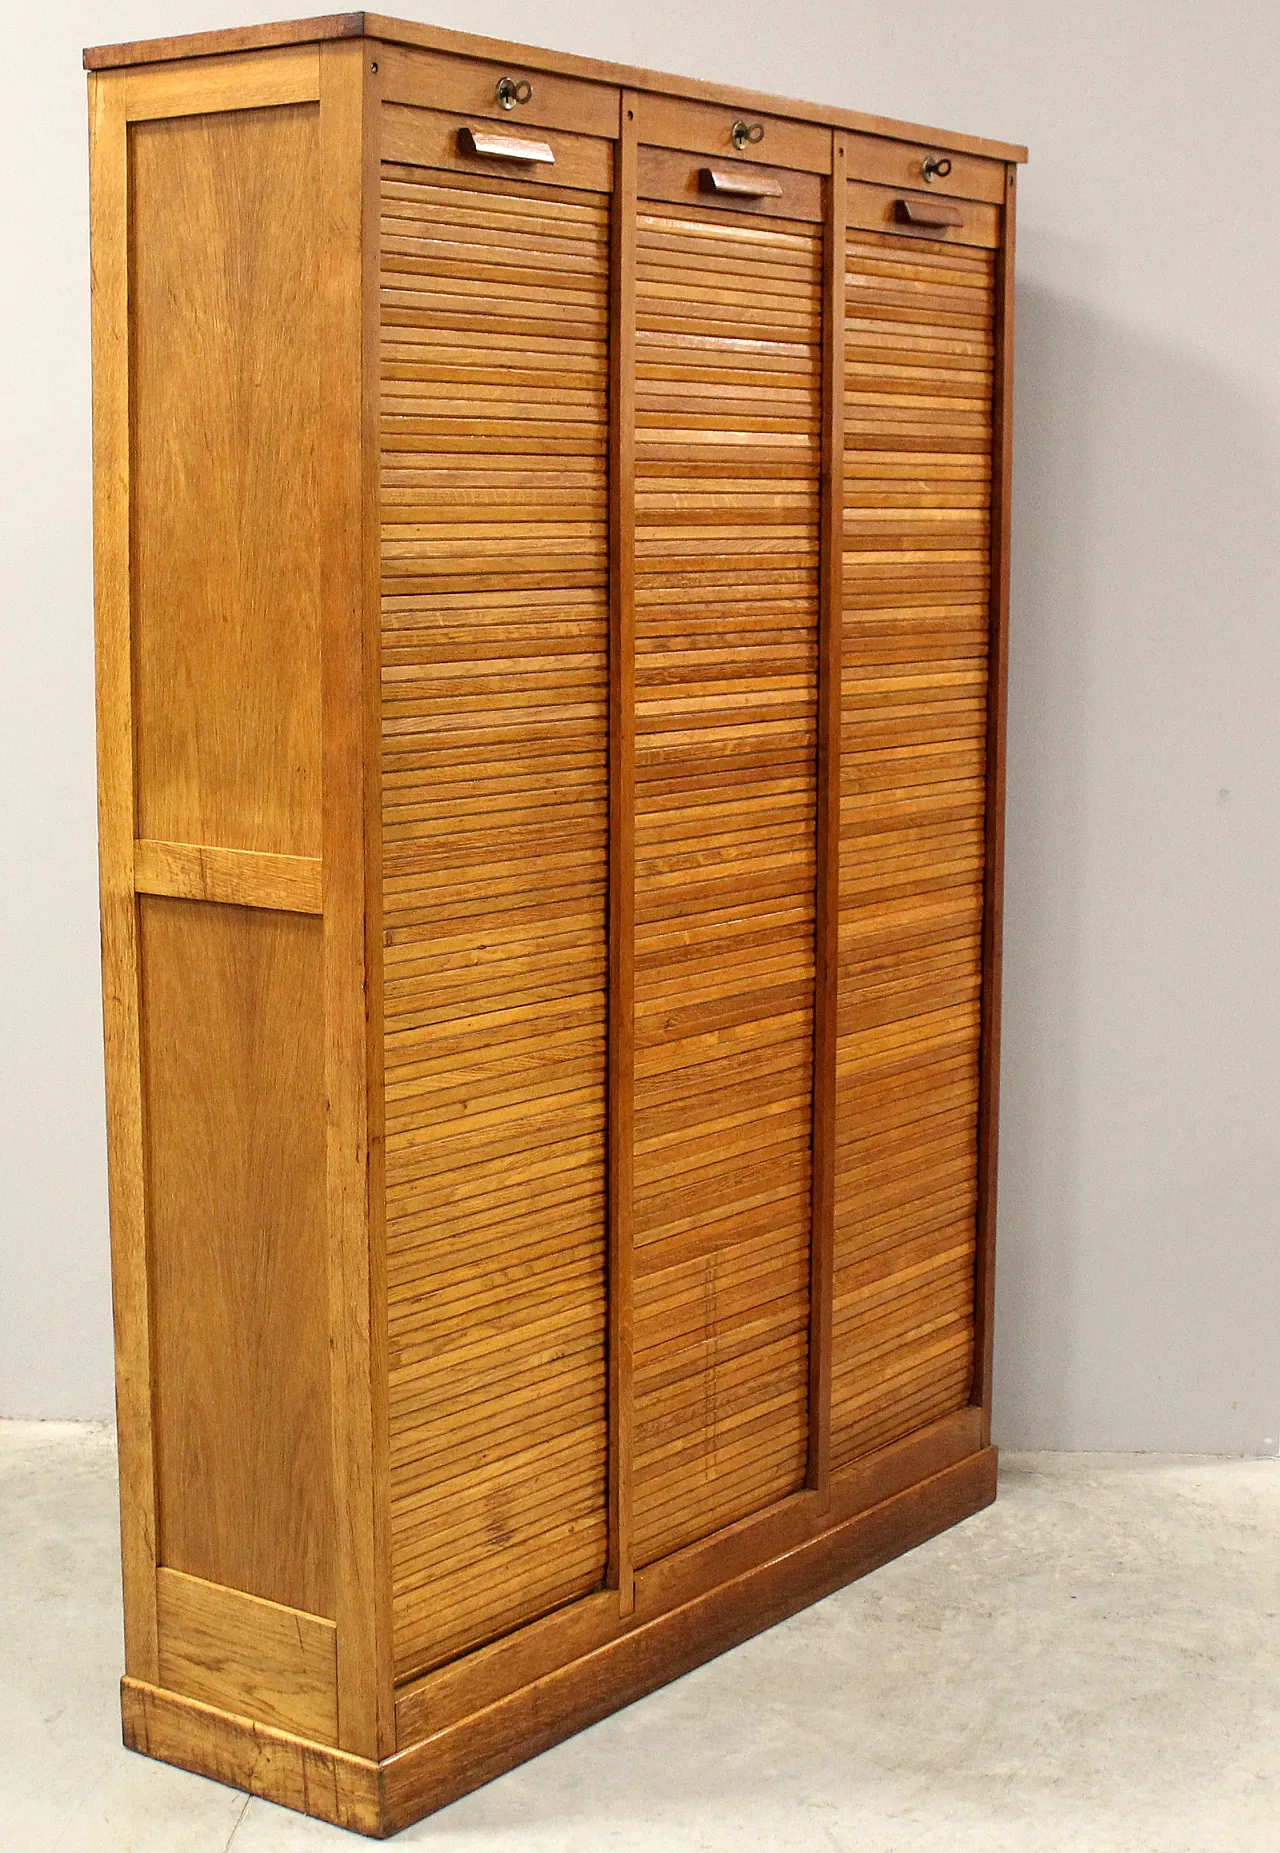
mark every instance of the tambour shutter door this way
{"type": "Point", "coordinates": [495, 642]}
{"type": "Point", "coordinates": [727, 482]}
{"type": "Point", "coordinates": [918, 412]}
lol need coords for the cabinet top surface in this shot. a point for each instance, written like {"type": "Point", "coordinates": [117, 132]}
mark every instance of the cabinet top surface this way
{"type": "Point", "coordinates": [438, 38]}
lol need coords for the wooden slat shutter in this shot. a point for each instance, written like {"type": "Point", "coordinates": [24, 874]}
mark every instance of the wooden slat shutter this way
{"type": "Point", "coordinates": [918, 425]}
{"type": "Point", "coordinates": [495, 642]}
{"type": "Point", "coordinates": [727, 464]}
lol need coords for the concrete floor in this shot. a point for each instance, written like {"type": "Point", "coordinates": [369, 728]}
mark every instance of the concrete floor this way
{"type": "Point", "coordinates": [1092, 1665]}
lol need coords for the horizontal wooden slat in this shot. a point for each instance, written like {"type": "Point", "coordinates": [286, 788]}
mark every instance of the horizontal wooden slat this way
{"type": "Point", "coordinates": [707, 128]}
{"type": "Point", "coordinates": [246, 878]}
{"type": "Point", "coordinates": [428, 138]}
{"type": "Point", "coordinates": [879, 209]}
{"type": "Point", "coordinates": [288, 75]}
{"type": "Point", "coordinates": [244, 1655]}
{"type": "Point", "coordinates": [899, 164]}
{"type": "Point", "coordinates": [666, 174]}
{"type": "Point", "coordinates": [469, 85]}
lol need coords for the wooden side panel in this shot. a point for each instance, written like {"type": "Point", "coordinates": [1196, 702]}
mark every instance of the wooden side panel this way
{"type": "Point", "coordinates": [251, 1657]}
{"type": "Point", "coordinates": [109, 217]}
{"type": "Point", "coordinates": [224, 234]}
{"type": "Point", "coordinates": [233, 1095]}
{"type": "Point", "coordinates": [245, 539]}
{"type": "Point", "coordinates": [225, 513]}
{"type": "Point", "coordinates": [728, 449]}
{"type": "Point", "coordinates": [919, 328]}
{"type": "Point", "coordinates": [495, 821]}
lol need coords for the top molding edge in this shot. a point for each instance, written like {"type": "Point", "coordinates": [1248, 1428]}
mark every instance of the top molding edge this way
{"type": "Point", "coordinates": [565, 64]}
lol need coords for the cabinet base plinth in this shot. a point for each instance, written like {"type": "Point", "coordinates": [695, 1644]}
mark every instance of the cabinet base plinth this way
{"type": "Point", "coordinates": [380, 1798]}
{"type": "Point", "coordinates": [313, 1778]}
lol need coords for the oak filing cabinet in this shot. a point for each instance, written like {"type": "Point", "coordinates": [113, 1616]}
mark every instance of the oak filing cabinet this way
{"type": "Point", "coordinates": [551, 529]}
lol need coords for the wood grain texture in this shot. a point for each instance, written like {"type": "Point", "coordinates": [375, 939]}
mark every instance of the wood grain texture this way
{"type": "Point", "coordinates": [532, 59]}
{"type": "Point", "coordinates": [347, 563]}
{"type": "Point", "coordinates": [707, 128]}
{"type": "Point", "coordinates": [109, 197]}
{"type": "Point", "coordinates": [729, 451]}
{"type": "Point", "coordinates": [245, 877]}
{"type": "Point", "coordinates": [993, 900]}
{"type": "Point", "coordinates": [232, 1058]}
{"type": "Point", "coordinates": [244, 1655]}
{"type": "Point", "coordinates": [289, 75]}
{"type": "Point", "coordinates": [224, 568]}
{"type": "Point", "coordinates": [221, 43]}
{"type": "Point", "coordinates": [495, 764]}
{"type": "Point", "coordinates": [918, 407]}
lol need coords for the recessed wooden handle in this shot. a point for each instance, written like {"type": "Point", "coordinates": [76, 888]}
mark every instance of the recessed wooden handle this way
{"type": "Point", "coordinates": [927, 212]}
{"type": "Point", "coordinates": [740, 186]}
{"type": "Point", "coordinates": [504, 147]}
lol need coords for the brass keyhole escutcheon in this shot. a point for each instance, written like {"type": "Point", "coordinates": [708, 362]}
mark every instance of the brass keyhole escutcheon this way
{"type": "Point", "coordinates": [512, 91]}
{"type": "Point", "coordinates": [936, 167]}
{"type": "Point", "coordinates": [743, 133]}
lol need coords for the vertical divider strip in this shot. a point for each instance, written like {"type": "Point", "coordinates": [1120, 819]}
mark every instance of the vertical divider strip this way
{"type": "Point", "coordinates": [352, 1012]}
{"type": "Point", "coordinates": [382, 1645]}
{"type": "Point", "coordinates": [827, 900]}
{"type": "Point", "coordinates": [993, 904]}
{"type": "Point", "coordinates": [622, 852]}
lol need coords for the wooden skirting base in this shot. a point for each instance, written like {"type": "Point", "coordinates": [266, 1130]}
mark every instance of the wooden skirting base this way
{"type": "Point", "coordinates": [380, 1798]}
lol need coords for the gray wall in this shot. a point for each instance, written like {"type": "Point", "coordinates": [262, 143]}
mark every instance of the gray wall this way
{"type": "Point", "coordinates": [1140, 1265]}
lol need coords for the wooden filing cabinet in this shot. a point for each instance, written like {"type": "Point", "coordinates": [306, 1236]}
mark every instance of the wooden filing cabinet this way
{"type": "Point", "coordinates": [552, 551]}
